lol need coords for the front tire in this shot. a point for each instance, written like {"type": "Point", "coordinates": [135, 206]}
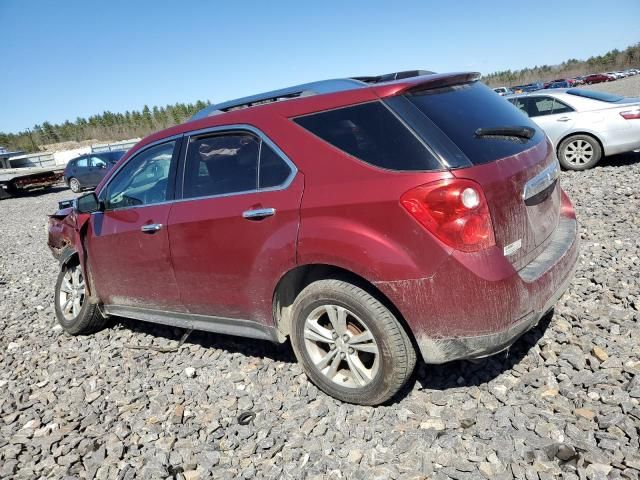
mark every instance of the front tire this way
{"type": "Point", "coordinates": [579, 152]}
{"type": "Point", "coordinates": [349, 344]}
{"type": "Point", "coordinates": [75, 312]}
{"type": "Point", "coordinates": [74, 185]}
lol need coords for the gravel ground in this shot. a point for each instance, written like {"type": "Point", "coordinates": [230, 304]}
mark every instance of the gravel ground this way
{"type": "Point", "coordinates": [629, 87]}
{"type": "Point", "coordinates": [563, 402]}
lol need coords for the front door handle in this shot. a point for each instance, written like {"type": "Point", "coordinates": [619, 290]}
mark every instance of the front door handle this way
{"type": "Point", "coordinates": [564, 119]}
{"type": "Point", "coordinates": [151, 228]}
{"type": "Point", "coordinates": [259, 213]}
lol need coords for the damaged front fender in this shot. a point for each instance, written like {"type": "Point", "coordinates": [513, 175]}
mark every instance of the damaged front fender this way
{"type": "Point", "coordinates": [66, 231]}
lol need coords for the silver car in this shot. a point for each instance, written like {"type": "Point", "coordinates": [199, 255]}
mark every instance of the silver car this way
{"type": "Point", "coordinates": [584, 125]}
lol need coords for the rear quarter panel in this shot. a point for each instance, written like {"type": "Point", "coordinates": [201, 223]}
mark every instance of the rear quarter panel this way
{"type": "Point", "coordinates": [351, 215]}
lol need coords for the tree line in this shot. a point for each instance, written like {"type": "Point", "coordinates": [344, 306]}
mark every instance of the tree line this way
{"type": "Point", "coordinates": [110, 126]}
{"type": "Point", "coordinates": [612, 60]}
{"type": "Point", "coordinates": [107, 126]}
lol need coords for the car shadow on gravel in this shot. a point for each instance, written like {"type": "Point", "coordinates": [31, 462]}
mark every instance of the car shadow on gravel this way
{"type": "Point", "coordinates": [44, 191]}
{"type": "Point", "coordinates": [622, 160]}
{"type": "Point", "coordinates": [468, 373]}
{"type": "Point", "coordinates": [457, 374]}
{"type": "Point", "coordinates": [161, 336]}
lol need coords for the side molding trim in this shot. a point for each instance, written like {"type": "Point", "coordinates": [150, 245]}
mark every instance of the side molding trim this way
{"type": "Point", "coordinates": [227, 326]}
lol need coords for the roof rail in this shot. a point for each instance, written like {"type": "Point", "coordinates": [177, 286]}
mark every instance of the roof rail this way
{"type": "Point", "coordinates": [306, 89]}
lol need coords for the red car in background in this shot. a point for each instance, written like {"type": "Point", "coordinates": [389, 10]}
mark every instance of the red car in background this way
{"type": "Point", "coordinates": [363, 221]}
{"type": "Point", "coordinates": [597, 78]}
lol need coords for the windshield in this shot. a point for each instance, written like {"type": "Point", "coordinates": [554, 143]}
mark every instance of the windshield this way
{"type": "Point", "coordinates": [602, 96]}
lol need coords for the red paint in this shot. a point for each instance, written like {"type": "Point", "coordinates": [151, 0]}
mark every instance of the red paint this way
{"type": "Point", "coordinates": [129, 267]}
{"type": "Point", "coordinates": [338, 211]}
{"type": "Point", "coordinates": [227, 265]}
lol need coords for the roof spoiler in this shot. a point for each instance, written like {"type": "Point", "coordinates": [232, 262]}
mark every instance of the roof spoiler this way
{"type": "Point", "coordinates": [431, 82]}
{"type": "Point", "coordinates": [390, 77]}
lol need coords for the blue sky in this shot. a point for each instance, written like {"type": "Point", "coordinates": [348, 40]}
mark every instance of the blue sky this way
{"type": "Point", "coordinates": [64, 59]}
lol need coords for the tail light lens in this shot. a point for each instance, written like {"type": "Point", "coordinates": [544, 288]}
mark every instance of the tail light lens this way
{"type": "Point", "coordinates": [455, 211]}
{"type": "Point", "coordinates": [631, 114]}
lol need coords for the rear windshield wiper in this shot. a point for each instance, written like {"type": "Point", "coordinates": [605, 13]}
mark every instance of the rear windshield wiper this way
{"type": "Point", "coordinates": [515, 131]}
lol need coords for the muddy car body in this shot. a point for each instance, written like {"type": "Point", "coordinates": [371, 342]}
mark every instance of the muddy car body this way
{"type": "Point", "coordinates": [365, 222]}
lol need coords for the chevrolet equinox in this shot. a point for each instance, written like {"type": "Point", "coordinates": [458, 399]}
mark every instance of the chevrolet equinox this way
{"type": "Point", "coordinates": [369, 222]}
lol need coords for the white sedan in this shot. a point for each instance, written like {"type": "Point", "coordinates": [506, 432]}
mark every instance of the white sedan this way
{"type": "Point", "coordinates": [582, 124]}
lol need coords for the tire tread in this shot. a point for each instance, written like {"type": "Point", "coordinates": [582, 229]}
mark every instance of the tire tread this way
{"type": "Point", "coordinates": [401, 347]}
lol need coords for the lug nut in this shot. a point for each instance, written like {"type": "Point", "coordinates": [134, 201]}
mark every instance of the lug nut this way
{"type": "Point", "coordinates": [332, 346]}
{"type": "Point", "coordinates": [343, 355]}
{"type": "Point", "coordinates": [334, 335]}
{"type": "Point", "coordinates": [345, 337]}
{"type": "Point", "coordinates": [351, 351]}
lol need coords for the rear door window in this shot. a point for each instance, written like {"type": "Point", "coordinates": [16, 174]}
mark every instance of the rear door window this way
{"type": "Point", "coordinates": [221, 165]}
{"type": "Point", "coordinates": [461, 109]}
{"type": "Point", "coordinates": [540, 106]}
{"type": "Point", "coordinates": [372, 133]}
{"type": "Point", "coordinates": [82, 162]}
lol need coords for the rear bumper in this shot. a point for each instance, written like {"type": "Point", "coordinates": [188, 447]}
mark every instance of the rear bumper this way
{"type": "Point", "coordinates": [466, 310]}
{"type": "Point", "coordinates": [623, 145]}
{"type": "Point", "coordinates": [441, 350]}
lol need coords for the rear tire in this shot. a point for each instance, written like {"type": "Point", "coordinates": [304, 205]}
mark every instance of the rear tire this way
{"type": "Point", "coordinates": [349, 344]}
{"type": "Point", "coordinates": [74, 311]}
{"type": "Point", "coordinates": [74, 185]}
{"type": "Point", "coordinates": [579, 152]}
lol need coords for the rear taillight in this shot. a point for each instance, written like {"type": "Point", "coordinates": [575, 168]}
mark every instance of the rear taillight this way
{"type": "Point", "coordinates": [631, 114]}
{"type": "Point", "coordinates": [455, 211]}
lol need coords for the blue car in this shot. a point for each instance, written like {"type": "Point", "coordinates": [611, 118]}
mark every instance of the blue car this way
{"type": "Point", "coordinates": [86, 171]}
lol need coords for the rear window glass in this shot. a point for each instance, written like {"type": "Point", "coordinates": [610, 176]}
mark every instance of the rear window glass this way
{"type": "Point", "coordinates": [461, 109]}
{"type": "Point", "coordinates": [114, 156]}
{"type": "Point", "coordinates": [602, 96]}
{"type": "Point", "coordinates": [371, 133]}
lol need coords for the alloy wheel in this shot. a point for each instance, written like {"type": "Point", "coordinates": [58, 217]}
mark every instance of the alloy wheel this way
{"type": "Point", "coordinates": [71, 296]}
{"type": "Point", "coordinates": [579, 152]}
{"type": "Point", "coordinates": [341, 346]}
{"type": "Point", "coordinates": [74, 185]}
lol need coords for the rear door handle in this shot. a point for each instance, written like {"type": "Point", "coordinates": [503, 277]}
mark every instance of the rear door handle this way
{"type": "Point", "coordinates": [151, 228]}
{"type": "Point", "coordinates": [259, 213]}
{"type": "Point", "coordinates": [564, 119]}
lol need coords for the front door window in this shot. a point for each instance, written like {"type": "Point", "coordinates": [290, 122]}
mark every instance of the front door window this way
{"type": "Point", "coordinates": [142, 181]}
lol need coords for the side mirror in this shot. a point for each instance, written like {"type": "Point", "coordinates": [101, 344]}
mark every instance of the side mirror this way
{"type": "Point", "coordinates": [88, 203]}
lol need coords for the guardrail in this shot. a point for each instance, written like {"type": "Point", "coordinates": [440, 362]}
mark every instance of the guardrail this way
{"type": "Point", "coordinates": [60, 159]}
{"type": "Point", "coordinates": [110, 147]}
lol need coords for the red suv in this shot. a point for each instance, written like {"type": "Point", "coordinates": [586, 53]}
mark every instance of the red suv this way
{"type": "Point", "coordinates": [365, 222]}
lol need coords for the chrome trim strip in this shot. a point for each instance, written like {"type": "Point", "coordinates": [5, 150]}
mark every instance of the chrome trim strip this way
{"type": "Point", "coordinates": [542, 180]}
{"type": "Point", "coordinates": [239, 127]}
{"type": "Point", "coordinates": [221, 128]}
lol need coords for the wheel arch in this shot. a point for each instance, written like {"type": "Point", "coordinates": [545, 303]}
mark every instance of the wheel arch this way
{"type": "Point", "coordinates": [295, 280]}
{"type": "Point", "coordinates": [68, 256]}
